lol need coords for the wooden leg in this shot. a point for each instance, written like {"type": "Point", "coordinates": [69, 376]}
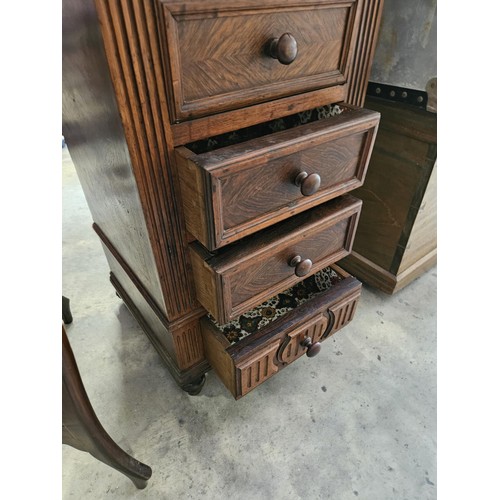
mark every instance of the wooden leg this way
{"type": "Point", "coordinates": [81, 427]}
{"type": "Point", "coordinates": [67, 317]}
{"type": "Point", "coordinates": [195, 387]}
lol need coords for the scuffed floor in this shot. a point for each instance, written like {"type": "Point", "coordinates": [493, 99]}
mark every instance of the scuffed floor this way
{"type": "Point", "coordinates": [356, 422]}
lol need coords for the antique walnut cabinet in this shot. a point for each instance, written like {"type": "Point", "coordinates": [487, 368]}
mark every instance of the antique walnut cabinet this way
{"type": "Point", "coordinates": [217, 143]}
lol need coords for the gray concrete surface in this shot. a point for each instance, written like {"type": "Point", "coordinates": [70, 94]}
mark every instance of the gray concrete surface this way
{"type": "Point", "coordinates": [356, 422]}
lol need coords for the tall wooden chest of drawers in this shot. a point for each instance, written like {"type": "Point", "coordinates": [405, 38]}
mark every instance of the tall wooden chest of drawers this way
{"type": "Point", "coordinates": [216, 143]}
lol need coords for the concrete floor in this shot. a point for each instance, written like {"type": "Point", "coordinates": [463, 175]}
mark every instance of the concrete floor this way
{"type": "Point", "coordinates": [356, 422]}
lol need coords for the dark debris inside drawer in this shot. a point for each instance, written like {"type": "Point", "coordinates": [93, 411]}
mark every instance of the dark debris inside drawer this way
{"type": "Point", "coordinates": [279, 305]}
{"type": "Point", "coordinates": [270, 127]}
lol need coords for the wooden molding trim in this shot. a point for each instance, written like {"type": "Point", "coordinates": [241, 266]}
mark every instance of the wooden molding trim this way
{"type": "Point", "coordinates": [368, 272]}
{"type": "Point", "coordinates": [378, 277]}
{"type": "Point", "coordinates": [132, 48]}
{"type": "Point", "coordinates": [371, 11]}
{"type": "Point", "coordinates": [415, 270]}
{"type": "Point", "coordinates": [209, 126]}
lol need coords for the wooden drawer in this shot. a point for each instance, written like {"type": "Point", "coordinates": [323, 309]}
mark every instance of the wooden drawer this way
{"type": "Point", "coordinates": [242, 276]}
{"type": "Point", "coordinates": [218, 54]}
{"type": "Point", "coordinates": [236, 190]}
{"type": "Point", "coordinates": [251, 349]}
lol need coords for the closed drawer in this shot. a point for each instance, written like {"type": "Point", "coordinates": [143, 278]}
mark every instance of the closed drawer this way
{"type": "Point", "coordinates": [218, 54]}
{"type": "Point", "coordinates": [249, 350]}
{"type": "Point", "coordinates": [235, 190]}
{"type": "Point", "coordinates": [242, 276]}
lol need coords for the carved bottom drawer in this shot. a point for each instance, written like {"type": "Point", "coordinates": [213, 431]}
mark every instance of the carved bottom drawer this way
{"type": "Point", "coordinates": [250, 349]}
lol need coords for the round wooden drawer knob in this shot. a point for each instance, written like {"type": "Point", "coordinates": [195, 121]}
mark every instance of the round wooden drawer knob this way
{"type": "Point", "coordinates": [309, 183]}
{"type": "Point", "coordinates": [302, 267]}
{"type": "Point", "coordinates": [312, 349]}
{"type": "Point", "coordinates": [283, 48]}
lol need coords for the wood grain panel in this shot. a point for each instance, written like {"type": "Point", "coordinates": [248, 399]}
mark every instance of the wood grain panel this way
{"type": "Point", "coordinates": [215, 345]}
{"type": "Point", "coordinates": [387, 196]}
{"type": "Point", "coordinates": [423, 237]}
{"type": "Point", "coordinates": [208, 284]}
{"type": "Point", "coordinates": [98, 143]}
{"type": "Point", "coordinates": [217, 56]}
{"type": "Point", "coordinates": [271, 270]}
{"type": "Point", "coordinates": [267, 188]}
{"type": "Point", "coordinates": [387, 253]}
{"type": "Point", "coordinates": [240, 277]}
{"type": "Point", "coordinates": [238, 190]}
{"type": "Point", "coordinates": [194, 193]}
{"type": "Point", "coordinates": [401, 163]}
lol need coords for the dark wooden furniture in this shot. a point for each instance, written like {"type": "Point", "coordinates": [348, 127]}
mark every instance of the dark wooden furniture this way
{"type": "Point", "coordinates": [396, 240]}
{"type": "Point", "coordinates": [242, 276]}
{"type": "Point", "coordinates": [215, 142]}
{"type": "Point", "coordinates": [81, 428]}
{"type": "Point", "coordinates": [243, 364]}
{"type": "Point", "coordinates": [67, 317]}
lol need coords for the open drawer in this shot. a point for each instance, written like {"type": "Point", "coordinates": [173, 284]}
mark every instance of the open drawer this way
{"type": "Point", "coordinates": [239, 277]}
{"type": "Point", "coordinates": [249, 350]}
{"type": "Point", "coordinates": [238, 183]}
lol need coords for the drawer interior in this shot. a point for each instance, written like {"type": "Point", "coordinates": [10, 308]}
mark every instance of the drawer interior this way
{"type": "Point", "coordinates": [266, 128]}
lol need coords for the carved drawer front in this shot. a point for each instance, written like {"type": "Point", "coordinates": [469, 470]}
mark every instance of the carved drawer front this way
{"type": "Point", "coordinates": [236, 190]}
{"type": "Point", "coordinates": [252, 348]}
{"type": "Point", "coordinates": [242, 276]}
{"type": "Point", "coordinates": [225, 55]}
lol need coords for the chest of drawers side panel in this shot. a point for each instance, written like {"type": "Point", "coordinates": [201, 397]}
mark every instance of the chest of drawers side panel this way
{"type": "Point", "coordinates": [96, 135]}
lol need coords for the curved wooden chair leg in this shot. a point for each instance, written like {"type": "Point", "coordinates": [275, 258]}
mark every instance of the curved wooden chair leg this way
{"type": "Point", "coordinates": [81, 428]}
